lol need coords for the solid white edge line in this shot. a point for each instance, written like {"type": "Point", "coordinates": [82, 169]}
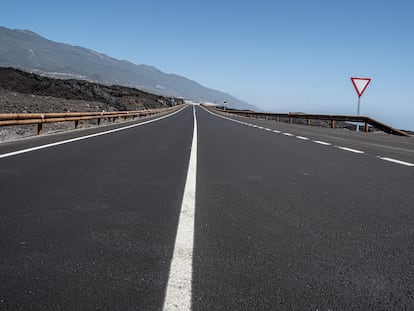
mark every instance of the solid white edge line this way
{"type": "Point", "coordinates": [179, 288]}
{"type": "Point", "coordinates": [397, 161]}
{"type": "Point", "coordinates": [13, 153]}
{"type": "Point", "coordinates": [350, 149]}
{"type": "Point", "coordinates": [322, 143]}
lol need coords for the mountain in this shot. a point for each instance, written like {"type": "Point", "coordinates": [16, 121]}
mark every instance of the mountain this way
{"type": "Point", "coordinates": [29, 51]}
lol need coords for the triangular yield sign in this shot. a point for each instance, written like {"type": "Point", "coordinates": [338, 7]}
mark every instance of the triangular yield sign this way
{"type": "Point", "coordinates": [360, 84]}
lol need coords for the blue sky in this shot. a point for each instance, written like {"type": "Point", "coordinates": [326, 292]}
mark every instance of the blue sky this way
{"type": "Point", "coordinates": [278, 55]}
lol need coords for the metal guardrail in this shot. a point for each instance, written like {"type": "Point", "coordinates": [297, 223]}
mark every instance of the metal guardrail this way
{"type": "Point", "coordinates": [10, 119]}
{"type": "Point", "coordinates": [309, 117]}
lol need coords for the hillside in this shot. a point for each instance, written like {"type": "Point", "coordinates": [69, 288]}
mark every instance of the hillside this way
{"type": "Point", "coordinates": [31, 52]}
{"type": "Point", "coordinates": [27, 92]}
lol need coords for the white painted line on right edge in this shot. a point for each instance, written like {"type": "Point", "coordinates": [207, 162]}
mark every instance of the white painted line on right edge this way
{"type": "Point", "coordinates": [322, 143]}
{"type": "Point", "coordinates": [349, 149]}
{"type": "Point", "coordinates": [397, 161]}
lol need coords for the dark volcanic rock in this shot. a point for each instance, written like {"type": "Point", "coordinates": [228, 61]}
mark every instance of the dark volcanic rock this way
{"type": "Point", "coordinates": [15, 83]}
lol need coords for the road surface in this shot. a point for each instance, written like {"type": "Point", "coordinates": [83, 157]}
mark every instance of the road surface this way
{"type": "Point", "coordinates": [268, 216]}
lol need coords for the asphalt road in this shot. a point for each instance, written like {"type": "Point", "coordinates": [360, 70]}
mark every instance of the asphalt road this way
{"type": "Point", "coordinates": [313, 220]}
{"type": "Point", "coordinates": [91, 224]}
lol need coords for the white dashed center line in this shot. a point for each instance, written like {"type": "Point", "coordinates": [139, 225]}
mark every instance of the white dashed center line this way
{"type": "Point", "coordinates": [288, 134]}
{"type": "Point", "coordinates": [301, 137]}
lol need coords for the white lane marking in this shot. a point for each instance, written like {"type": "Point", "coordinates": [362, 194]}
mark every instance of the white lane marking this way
{"type": "Point", "coordinates": [268, 129]}
{"type": "Point", "coordinates": [397, 161]}
{"type": "Point", "coordinates": [349, 149]}
{"type": "Point", "coordinates": [261, 127]}
{"type": "Point", "coordinates": [179, 288]}
{"type": "Point", "coordinates": [10, 154]}
{"type": "Point", "coordinates": [322, 143]}
{"type": "Point", "coordinates": [287, 134]}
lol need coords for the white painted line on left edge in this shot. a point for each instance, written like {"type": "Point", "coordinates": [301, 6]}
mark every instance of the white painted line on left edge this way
{"type": "Point", "coordinates": [288, 134]}
{"type": "Point", "coordinates": [350, 149]}
{"type": "Point", "coordinates": [301, 137]}
{"type": "Point", "coordinates": [397, 161]}
{"type": "Point", "coordinates": [10, 154]}
{"type": "Point", "coordinates": [179, 289]}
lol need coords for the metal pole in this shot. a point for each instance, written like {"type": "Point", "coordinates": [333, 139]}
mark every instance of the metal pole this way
{"type": "Point", "coordinates": [359, 102]}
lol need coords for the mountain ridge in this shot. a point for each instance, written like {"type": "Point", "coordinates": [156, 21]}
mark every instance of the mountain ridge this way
{"type": "Point", "coordinates": [27, 50]}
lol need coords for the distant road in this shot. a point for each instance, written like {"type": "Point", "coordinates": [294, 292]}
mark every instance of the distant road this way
{"type": "Point", "coordinates": [285, 217]}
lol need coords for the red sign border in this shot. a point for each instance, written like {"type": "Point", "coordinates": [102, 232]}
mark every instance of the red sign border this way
{"type": "Point", "coordinates": [365, 87]}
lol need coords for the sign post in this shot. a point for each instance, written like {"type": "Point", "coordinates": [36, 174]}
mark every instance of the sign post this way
{"type": "Point", "coordinates": [360, 85]}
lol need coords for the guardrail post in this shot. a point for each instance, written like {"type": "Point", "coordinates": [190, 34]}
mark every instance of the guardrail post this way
{"type": "Point", "coordinates": [309, 122]}
{"type": "Point", "coordinates": [277, 119]}
{"type": "Point", "coordinates": [332, 123]}
{"type": "Point", "coordinates": [39, 128]}
{"type": "Point", "coordinates": [99, 121]}
{"type": "Point", "coordinates": [366, 127]}
{"type": "Point", "coordinates": [76, 124]}
{"type": "Point", "coordinates": [290, 120]}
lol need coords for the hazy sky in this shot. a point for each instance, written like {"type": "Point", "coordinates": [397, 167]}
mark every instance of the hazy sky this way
{"type": "Point", "coordinates": [278, 55]}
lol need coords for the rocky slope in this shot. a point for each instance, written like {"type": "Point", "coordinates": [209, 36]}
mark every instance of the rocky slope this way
{"type": "Point", "coordinates": [27, 92]}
